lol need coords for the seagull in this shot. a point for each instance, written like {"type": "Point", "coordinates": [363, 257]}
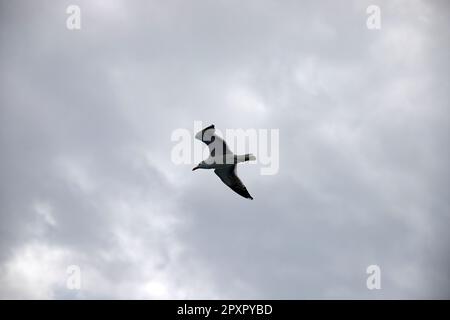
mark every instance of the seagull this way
{"type": "Point", "coordinates": [223, 161]}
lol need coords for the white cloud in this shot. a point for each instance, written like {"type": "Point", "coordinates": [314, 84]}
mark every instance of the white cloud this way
{"type": "Point", "coordinates": [33, 272]}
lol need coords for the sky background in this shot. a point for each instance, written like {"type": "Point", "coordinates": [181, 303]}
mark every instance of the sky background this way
{"type": "Point", "coordinates": [86, 176]}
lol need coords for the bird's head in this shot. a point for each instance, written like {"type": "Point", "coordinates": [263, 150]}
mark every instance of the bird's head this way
{"type": "Point", "coordinates": [201, 165]}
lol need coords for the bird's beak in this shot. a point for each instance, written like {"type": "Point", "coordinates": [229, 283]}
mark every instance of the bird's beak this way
{"type": "Point", "coordinates": [195, 168]}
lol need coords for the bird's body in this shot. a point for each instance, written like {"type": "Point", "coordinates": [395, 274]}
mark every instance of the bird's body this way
{"type": "Point", "coordinates": [223, 161]}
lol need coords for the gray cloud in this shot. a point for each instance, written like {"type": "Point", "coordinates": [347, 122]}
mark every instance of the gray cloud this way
{"type": "Point", "coordinates": [85, 124]}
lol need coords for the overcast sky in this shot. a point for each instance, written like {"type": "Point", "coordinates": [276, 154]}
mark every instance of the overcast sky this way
{"type": "Point", "coordinates": [86, 176]}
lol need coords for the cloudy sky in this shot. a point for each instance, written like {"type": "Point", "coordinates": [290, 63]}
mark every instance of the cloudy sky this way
{"type": "Point", "coordinates": [86, 118]}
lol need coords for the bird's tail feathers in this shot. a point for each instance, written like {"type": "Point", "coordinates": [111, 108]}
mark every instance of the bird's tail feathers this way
{"type": "Point", "coordinates": [249, 157]}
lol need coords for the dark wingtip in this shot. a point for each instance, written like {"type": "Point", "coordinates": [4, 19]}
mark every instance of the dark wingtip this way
{"type": "Point", "coordinates": [250, 197]}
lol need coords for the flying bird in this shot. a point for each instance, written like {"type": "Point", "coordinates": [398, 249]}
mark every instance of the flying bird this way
{"type": "Point", "coordinates": [223, 161]}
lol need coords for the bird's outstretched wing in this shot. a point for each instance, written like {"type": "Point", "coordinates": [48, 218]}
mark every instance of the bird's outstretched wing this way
{"type": "Point", "coordinates": [216, 144]}
{"type": "Point", "coordinates": [229, 177]}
